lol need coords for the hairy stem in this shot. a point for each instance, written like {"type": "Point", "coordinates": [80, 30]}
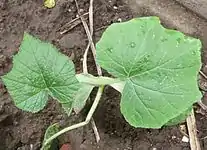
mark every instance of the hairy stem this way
{"type": "Point", "coordinates": [87, 120]}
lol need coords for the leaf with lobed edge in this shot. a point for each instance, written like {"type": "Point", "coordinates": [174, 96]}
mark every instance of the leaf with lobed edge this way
{"type": "Point", "coordinates": [159, 66]}
{"type": "Point", "coordinates": [39, 70]}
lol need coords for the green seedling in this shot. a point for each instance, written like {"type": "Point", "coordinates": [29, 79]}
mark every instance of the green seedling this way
{"type": "Point", "coordinates": [155, 70]}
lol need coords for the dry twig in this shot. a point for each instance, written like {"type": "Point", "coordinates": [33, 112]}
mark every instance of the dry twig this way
{"type": "Point", "coordinates": [203, 74]}
{"type": "Point", "coordinates": [72, 24]}
{"type": "Point", "coordinates": [95, 130]}
{"type": "Point", "coordinates": [90, 44]}
{"type": "Point", "coordinates": [192, 131]}
{"type": "Point", "coordinates": [202, 105]}
{"type": "Point", "coordinates": [98, 68]}
{"type": "Point", "coordinates": [93, 49]}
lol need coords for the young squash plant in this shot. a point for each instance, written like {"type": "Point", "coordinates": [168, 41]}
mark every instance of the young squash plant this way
{"type": "Point", "coordinates": [155, 70]}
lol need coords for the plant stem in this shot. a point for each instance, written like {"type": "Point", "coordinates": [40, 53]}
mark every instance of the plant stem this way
{"type": "Point", "coordinates": [97, 81]}
{"type": "Point", "coordinates": [87, 120]}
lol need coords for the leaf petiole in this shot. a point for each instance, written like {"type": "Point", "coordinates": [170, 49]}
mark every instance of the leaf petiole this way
{"type": "Point", "coordinates": [89, 79]}
{"type": "Point", "coordinates": [96, 81]}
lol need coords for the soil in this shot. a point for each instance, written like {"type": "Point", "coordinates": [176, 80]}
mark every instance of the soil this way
{"type": "Point", "coordinates": [24, 131]}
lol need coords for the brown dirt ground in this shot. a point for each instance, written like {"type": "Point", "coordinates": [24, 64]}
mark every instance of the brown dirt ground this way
{"type": "Point", "coordinates": [24, 131]}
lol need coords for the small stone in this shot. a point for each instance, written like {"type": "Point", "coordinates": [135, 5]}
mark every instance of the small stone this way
{"type": "Point", "coordinates": [1, 109]}
{"type": "Point", "coordinates": [115, 7]}
{"type": "Point", "coordinates": [1, 20]}
{"type": "Point", "coordinates": [25, 147]}
{"type": "Point", "coordinates": [83, 146]}
{"type": "Point", "coordinates": [72, 56]}
{"type": "Point", "coordinates": [15, 123]}
{"type": "Point", "coordinates": [31, 146]}
{"type": "Point", "coordinates": [185, 139]}
{"type": "Point", "coordinates": [66, 146]}
{"type": "Point", "coordinates": [59, 117]}
{"type": "Point", "coordinates": [81, 10]}
{"type": "Point", "coordinates": [183, 128]}
{"type": "Point", "coordinates": [119, 20]}
{"type": "Point", "coordinates": [173, 137]}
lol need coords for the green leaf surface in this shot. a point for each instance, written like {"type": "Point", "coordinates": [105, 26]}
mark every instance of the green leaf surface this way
{"type": "Point", "coordinates": [118, 86]}
{"type": "Point", "coordinates": [82, 96]}
{"type": "Point", "coordinates": [180, 118]}
{"type": "Point", "coordinates": [39, 70]}
{"type": "Point", "coordinates": [159, 66]}
{"type": "Point", "coordinates": [51, 130]}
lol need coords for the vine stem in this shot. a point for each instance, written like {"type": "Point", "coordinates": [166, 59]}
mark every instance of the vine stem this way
{"type": "Point", "coordinates": [81, 124]}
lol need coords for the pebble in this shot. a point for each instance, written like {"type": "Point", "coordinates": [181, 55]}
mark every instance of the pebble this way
{"type": "Point", "coordinates": [119, 20]}
{"type": "Point", "coordinates": [173, 137]}
{"type": "Point", "coordinates": [81, 10]}
{"type": "Point", "coordinates": [185, 139]}
{"type": "Point", "coordinates": [115, 7]}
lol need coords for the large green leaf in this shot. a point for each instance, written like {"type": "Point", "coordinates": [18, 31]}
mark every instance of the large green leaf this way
{"type": "Point", "coordinates": [39, 70]}
{"type": "Point", "coordinates": [159, 66]}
